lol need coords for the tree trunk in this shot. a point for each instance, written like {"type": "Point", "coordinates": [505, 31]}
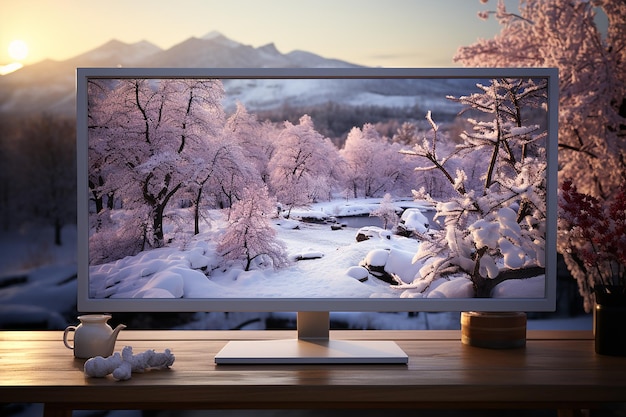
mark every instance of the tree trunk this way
{"type": "Point", "coordinates": [157, 226]}
{"type": "Point", "coordinates": [158, 216]}
{"type": "Point", "coordinates": [196, 213]}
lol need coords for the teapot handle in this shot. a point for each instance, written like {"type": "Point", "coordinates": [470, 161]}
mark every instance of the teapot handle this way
{"type": "Point", "coordinates": [68, 329]}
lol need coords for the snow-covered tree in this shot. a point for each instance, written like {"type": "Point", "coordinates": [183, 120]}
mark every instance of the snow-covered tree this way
{"type": "Point", "coordinates": [386, 211]}
{"type": "Point", "coordinates": [429, 149]}
{"type": "Point", "coordinates": [250, 236]}
{"type": "Point", "coordinates": [592, 74]}
{"type": "Point", "coordinates": [406, 134]}
{"type": "Point", "coordinates": [222, 173]}
{"type": "Point", "coordinates": [194, 121]}
{"type": "Point", "coordinates": [158, 130]}
{"type": "Point", "coordinates": [494, 229]}
{"type": "Point", "coordinates": [304, 166]}
{"type": "Point", "coordinates": [375, 166]}
{"type": "Point", "coordinates": [254, 138]}
{"type": "Point", "coordinates": [427, 174]}
{"type": "Point", "coordinates": [505, 136]}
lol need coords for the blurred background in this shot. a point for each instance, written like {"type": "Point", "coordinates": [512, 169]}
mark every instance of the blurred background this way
{"type": "Point", "coordinates": [41, 44]}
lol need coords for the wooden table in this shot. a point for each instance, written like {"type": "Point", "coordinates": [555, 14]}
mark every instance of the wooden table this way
{"type": "Point", "coordinates": [556, 370]}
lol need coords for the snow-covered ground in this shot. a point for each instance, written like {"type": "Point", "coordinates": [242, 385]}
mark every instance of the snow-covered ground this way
{"type": "Point", "coordinates": [327, 263]}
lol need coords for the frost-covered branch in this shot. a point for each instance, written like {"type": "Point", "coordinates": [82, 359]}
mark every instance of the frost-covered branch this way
{"type": "Point", "coordinates": [428, 150]}
{"type": "Point", "coordinates": [495, 230]}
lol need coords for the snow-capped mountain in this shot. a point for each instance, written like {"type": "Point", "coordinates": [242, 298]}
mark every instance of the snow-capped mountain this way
{"type": "Point", "coordinates": [49, 86]}
{"type": "Point", "coordinates": [216, 50]}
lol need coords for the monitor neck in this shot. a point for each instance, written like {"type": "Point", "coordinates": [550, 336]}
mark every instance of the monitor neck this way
{"type": "Point", "coordinates": [313, 325]}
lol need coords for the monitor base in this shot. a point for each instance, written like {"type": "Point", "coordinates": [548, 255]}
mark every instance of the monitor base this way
{"type": "Point", "coordinates": [311, 351]}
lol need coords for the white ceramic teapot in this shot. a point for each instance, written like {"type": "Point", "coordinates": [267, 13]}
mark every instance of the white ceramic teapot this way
{"type": "Point", "coordinates": [93, 336]}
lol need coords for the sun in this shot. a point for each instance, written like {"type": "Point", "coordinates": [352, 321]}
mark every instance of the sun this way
{"type": "Point", "coordinates": [18, 50]}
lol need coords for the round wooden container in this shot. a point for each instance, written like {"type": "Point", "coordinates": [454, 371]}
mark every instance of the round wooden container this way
{"type": "Point", "coordinates": [493, 330]}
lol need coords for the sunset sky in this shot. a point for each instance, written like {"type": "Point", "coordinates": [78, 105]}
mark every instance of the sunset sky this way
{"type": "Point", "coordinates": [388, 33]}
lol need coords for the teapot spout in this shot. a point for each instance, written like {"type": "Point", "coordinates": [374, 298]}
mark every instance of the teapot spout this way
{"type": "Point", "coordinates": [113, 336]}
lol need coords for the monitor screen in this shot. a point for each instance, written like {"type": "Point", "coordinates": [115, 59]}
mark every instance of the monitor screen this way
{"type": "Point", "coordinates": [317, 190]}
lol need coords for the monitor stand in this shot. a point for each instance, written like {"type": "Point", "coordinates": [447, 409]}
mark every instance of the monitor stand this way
{"type": "Point", "coordinates": [313, 346]}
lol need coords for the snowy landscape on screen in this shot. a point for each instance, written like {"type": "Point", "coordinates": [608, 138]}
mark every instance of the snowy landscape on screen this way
{"type": "Point", "coordinates": [198, 190]}
{"type": "Point", "coordinates": [329, 266]}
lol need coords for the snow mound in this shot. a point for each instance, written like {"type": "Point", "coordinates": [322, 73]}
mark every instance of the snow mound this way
{"type": "Point", "coordinates": [358, 272]}
{"type": "Point", "coordinates": [414, 220]}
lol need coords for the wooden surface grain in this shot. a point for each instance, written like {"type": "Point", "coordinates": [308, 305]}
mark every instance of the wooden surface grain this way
{"type": "Point", "coordinates": [554, 370]}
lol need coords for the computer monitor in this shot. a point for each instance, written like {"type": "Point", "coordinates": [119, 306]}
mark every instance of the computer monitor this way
{"type": "Point", "coordinates": [237, 190]}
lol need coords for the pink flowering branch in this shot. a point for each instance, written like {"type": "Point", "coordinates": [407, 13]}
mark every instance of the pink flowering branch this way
{"type": "Point", "coordinates": [501, 13]}
{"type": "Point", "coordinates": [596, 233]}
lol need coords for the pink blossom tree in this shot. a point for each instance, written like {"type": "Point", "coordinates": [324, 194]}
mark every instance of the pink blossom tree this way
{"type": "Point", "coordinates": [592, 73]}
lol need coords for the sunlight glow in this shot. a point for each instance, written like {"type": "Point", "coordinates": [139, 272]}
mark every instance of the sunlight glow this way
{"type": "Point", "coordinates": [18, 50]}
{"type": "Point", "coordinates": [9, 68]}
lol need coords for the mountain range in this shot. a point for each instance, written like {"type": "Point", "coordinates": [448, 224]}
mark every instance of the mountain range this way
{"type": "Point", "coordinates": [49, 86]}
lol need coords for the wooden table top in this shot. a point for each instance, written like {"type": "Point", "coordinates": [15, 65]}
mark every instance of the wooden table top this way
{"type": "Point", "coordinates": [557, 369]}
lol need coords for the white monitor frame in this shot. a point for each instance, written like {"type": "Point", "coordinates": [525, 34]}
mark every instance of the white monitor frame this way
{"type": "Point", "coordinates": [87, 304]}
